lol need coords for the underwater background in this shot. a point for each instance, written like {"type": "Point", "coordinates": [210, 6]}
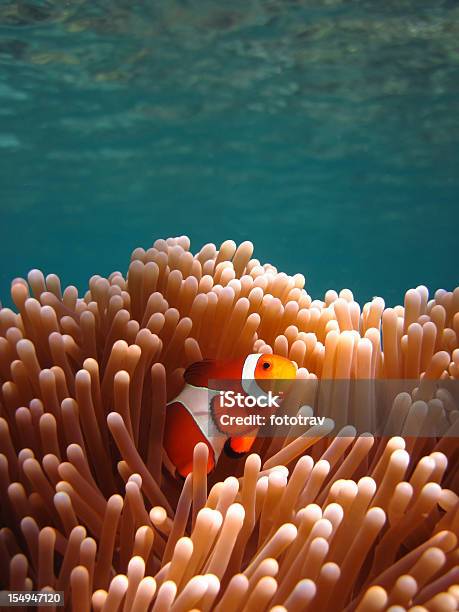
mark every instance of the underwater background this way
{"type": "Point", "coordinates": [327, 132]}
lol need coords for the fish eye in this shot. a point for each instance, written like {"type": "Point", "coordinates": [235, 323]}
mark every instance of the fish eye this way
{"type": "Point", "coordinates": [266, 365]}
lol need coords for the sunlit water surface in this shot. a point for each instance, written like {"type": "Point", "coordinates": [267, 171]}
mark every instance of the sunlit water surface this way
{"type": "Point", "coordinates": [326, 132]}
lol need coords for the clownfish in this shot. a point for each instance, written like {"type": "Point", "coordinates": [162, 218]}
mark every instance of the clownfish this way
{"type": "Point", "coordinates": [191, 417]}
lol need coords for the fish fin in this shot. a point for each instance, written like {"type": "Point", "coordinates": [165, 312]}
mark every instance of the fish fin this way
{"type": "Point", "coordinates": [240, 445]}
{"type": "Point", "coordinates": [181, 434]}
{"type": "Point", "coordinates": [199, 373]}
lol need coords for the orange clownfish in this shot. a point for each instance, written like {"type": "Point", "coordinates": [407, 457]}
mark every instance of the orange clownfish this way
{"type": "Point", "coordinates": [192, 416]}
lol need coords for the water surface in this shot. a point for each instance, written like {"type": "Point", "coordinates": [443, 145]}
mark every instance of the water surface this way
{"type": "Point", "coordinates": [326, 132]}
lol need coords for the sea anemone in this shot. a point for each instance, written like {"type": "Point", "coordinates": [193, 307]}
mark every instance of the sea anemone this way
{"type": "Point", "coordinates": [306, 522]}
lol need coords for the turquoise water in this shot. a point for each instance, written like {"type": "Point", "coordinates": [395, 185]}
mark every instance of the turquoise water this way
{"type": "Point", "coordinates": [326, 132]}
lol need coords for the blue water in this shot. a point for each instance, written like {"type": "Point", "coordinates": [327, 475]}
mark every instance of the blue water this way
{"type": "Point", "coordinates": [327, 132]}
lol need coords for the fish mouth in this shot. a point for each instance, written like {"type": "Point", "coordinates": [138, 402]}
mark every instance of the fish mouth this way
{"type": "Point", "coordinates": [277, 386]}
